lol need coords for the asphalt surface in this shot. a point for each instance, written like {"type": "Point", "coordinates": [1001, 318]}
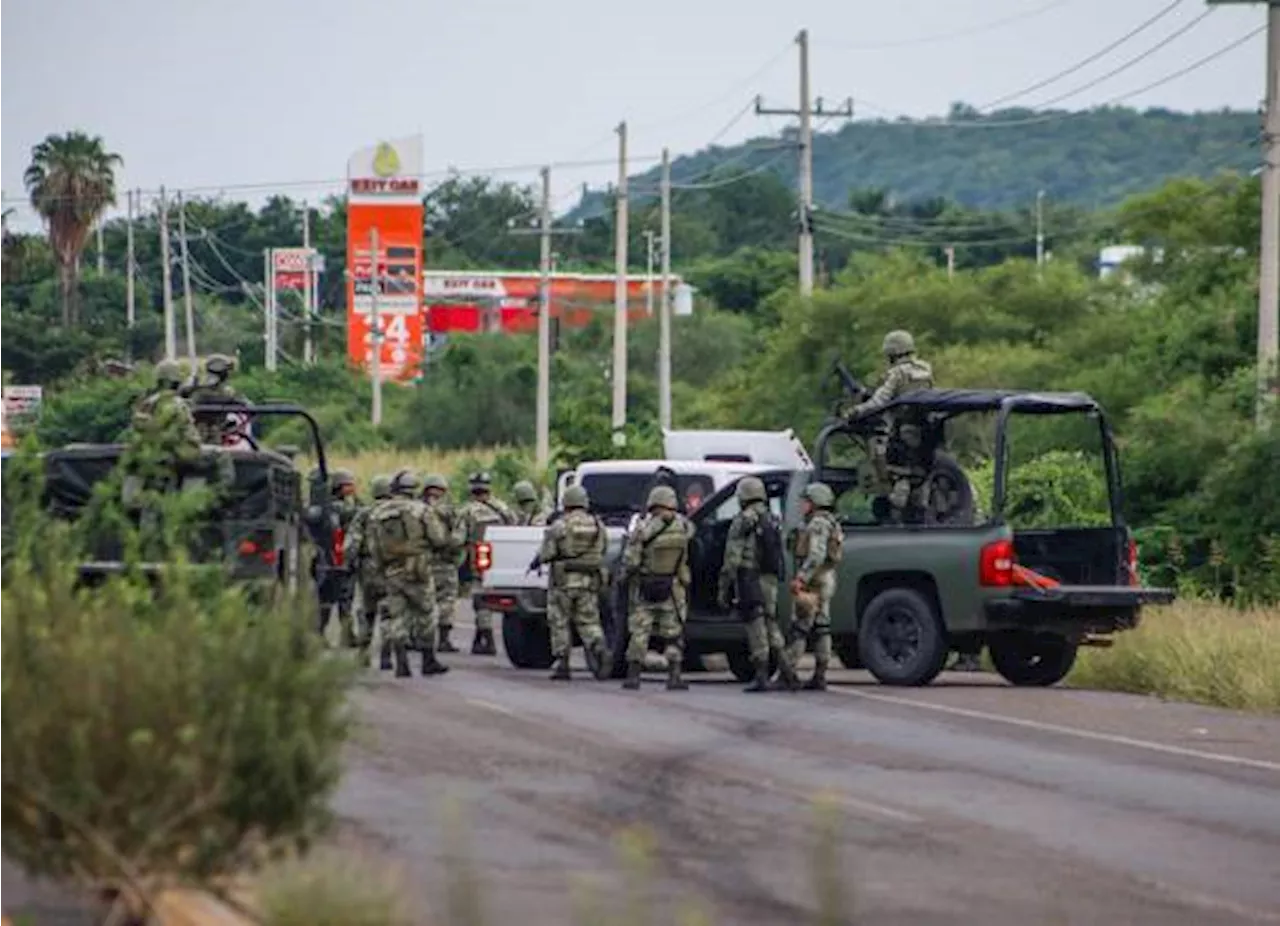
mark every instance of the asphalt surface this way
{"type": "Point", "coordinates": [968, 801]}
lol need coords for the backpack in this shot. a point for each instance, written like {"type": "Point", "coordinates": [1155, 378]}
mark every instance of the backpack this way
{"type": "Point", "coordinates": [769, 546]}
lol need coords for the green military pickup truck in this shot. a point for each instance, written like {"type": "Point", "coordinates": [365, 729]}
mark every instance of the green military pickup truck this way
{"type": "Point", "coordinates": [948, 579]}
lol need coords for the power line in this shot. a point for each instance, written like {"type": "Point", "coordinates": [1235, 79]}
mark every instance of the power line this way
{"type": "Point", "coordinates": [955, 34]}
{"type": "Point", "coordinates": [1085, 61]}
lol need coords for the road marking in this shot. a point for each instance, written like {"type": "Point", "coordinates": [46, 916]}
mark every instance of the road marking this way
{"type": "Point", "coordinates": [1094, 735]}
{"type": "Point", "coordinates": [852, 803]}
{"type": "Point", "coordinates": [490, 706]}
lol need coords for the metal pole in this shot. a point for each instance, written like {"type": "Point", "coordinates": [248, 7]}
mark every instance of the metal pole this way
{"type": "Point", "coordinates": [308, 348]}
{"type": "Point", "coordinates": [102, 253]}
{"type": "Point", "coordinates": [268, 312]}
{"type": "Point", "coordinates": [806, 169]}
{"type": "Point", "coordinates": [166, 273]}
{"type": "Point", "coordinates": [664, 310]}
{"type": "Point", "coordinates": [375, 324]}
{"type": "Point", "coordinates": [130, 296]}
{"type": "Point", "coordinates": [648, 272]}
{"type": "Point", "coordinates": [1039, 231]}
{"type": "Point", "coordinates": [187, 304]}
{"type": "Point", "coordinates": [1269, 246]}
{"type": "Point", "coordinates": [620, 298]}
{"type": "Point", "coordinates": [543, 414]}
{"type": "Point", "coordinates": [951, 262]}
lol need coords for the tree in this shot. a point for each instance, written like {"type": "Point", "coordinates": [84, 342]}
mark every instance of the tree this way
{"type": "Point", "coordinates": [71, 181]}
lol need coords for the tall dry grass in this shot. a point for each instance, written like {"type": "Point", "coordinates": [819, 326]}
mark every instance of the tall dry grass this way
{"type": "Point", "coordinates": [1194, 650]}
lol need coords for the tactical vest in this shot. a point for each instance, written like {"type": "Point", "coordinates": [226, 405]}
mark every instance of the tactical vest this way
{"type": "Point", "coordinates": [398, 531]}
{"type": "Point", "coordinates": [664, 551]}
{"type": "Point", "coordinates": [481, 514]}
{"type": "Point", "coordinates": [835, 541]}
{"type": "Point", "coordinates": [580, 541]}
{"type": "Point", "coordinates": [918, 376]}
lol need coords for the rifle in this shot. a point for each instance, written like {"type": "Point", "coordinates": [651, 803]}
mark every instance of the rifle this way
{"type": "Point", "coordinates": [848, 382]}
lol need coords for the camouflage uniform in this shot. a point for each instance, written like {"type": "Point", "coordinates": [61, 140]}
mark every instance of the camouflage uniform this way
{"type": "Point", "coordinates": [403, 532]}
{"type": "Point", "coordinates": [346, 507]}
{"type": "Point", "coordinates": [819, 546]}
{"type": "Point", "coordinates": [528, 512]}
{"type": "Point", "coordinates": [444, 563]}
{"type": "Point", "coordinates": [480, 510]}
{"type": "Point", "coordinates": [357, 554]}
{"type": "Point", "coordinates": [747, 584]}
{"type": "Point", "coordinates": [212, 426]}
{"type": "Point", "coordinates": [655, 561]}
{"type": "Point", "coordinates": [906, 374]}
{"type": "Point", "coordinates": [163, 444]}
{"type": "Point", "coordinates": [574, 547]}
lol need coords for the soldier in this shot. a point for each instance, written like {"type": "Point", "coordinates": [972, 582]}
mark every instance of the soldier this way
{"type": "Point", "coordinates": [654, 561]}
{"type": "Point", "coordinates": [404, 532]}
{"type": "Point", "coordinates": [164, 443]}
{"type": "Point", "coordinates": [906, 374]}
{"type": "Point", "coordinates": [342, 488]}
{"type": "Point", "coordinates": [819, 546]}
{"type": "Point", "coordinates": [444, 564]}
{"type": "Point", "coordinates": [218, 368]}
{"type": "Point", "coordinates": [753, 566]}
{"type": "Point", "coordinates": [528, 512]}
{"type": "Point", "coordinates": [356, 553]}
{"type": "Point", "coordinates": [574, 546]}
{"type": "Point", "coordinates": [481, 509]}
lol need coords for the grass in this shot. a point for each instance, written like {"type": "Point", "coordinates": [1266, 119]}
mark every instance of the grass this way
{"type": "Point", "coordinates": [330, 889]}
{"type": "Point", "coordinates": [370, 463]}
{"type": "Point", "coordinates": [1194, 650]}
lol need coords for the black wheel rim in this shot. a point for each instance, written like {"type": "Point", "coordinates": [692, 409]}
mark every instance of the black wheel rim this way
{"type": "Point", "coordinates": [898, 636]}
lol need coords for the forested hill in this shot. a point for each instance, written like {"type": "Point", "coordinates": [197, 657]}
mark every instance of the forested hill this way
{"type": "Point", "coordinates": [997, 161]}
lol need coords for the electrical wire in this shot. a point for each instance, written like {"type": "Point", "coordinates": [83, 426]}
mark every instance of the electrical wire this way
{"type": "Point", "coordinates": [955, 34]}
{"type": "Point", "coordinates": [1079, 65]}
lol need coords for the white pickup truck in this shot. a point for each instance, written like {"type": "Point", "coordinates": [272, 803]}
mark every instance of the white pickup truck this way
{"type": "Point", "coordinates": [697, 464]}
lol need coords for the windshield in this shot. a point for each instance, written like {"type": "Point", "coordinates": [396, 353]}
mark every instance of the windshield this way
{"type": "Point", "coordinates": [616, 493]}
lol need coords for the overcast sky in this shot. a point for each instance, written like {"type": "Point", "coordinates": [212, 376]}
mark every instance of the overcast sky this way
{"type": "Point", "coordinates": [220, 93]}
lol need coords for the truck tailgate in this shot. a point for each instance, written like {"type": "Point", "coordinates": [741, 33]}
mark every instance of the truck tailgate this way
{"type": "Point", "coordinates": [1087, 608]}
{"type": "Point", "coordinates": [1095, 596]}
{"type": "Point", "coordinates": [511, 550]}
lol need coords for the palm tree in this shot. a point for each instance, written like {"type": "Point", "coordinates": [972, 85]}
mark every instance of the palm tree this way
{"type": "Point", "coordinates": [71, 182]}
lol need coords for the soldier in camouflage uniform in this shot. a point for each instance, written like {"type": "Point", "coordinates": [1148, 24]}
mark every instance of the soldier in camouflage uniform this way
{"type": "Point", "coordinates": [444, 564]}
{"type": "Point", "coordinates": [356, 553]}
{"type": "Point", "coordinates": [574, 547]}
{"type": "Point", "coordinates": [480, 510]}
{"type": "Point", "coordinates": [342, 487]}
{"type": "Point", "coordinates": [906, 374]}
{"type": "Point", "coordinates": [403, 533]}
{"type": "Point", "coordinates": [749, 581]}
{"type": "Point", "coordinates": [654, 561]}
{"type": "Point", "coordinates": [218, 368]}
{"type": "Point", "coordinates": [528, 512]}
{"type": "Point", "coordinates": [819, 546]}
{"type": "Point", "coordinates": [163, 445]}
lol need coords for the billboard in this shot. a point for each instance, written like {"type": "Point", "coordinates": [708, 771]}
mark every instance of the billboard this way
{"type": "Point", "coordinates": [289, 266]}
{"type": "Point", "coordinates": [21, 407]}
{"type": "Point", "coordinates": [384, 200]}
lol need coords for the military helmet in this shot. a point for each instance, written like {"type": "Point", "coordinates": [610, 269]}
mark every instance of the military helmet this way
{"type": "Point", "coordinates": [898, 344]}
{"type": "Point", "coordinates": [168, 373]}
{"type": "Point", "coordinates": [342, 477]}
{"type": "Point", "coordinates": [576, 497]}
{"type": "Point", "coordinates": [380, 486]}
{"type": "Point", "coordinates": [219, 365]}
{"type": "Point", "coordinates": [523, 491]}
{"type": "Point", "coordinates": [662, 497]}
{"type": "Point", "coordinates": [820, 494]}
{"type": "Point", "coordinates": [751, 489]}
{"type": "Point", "coordinates": [480, 480]}
{"type": "Point", "coordinates": [435, 481]}
{"type": "Point", "coordinates": [406, 482]}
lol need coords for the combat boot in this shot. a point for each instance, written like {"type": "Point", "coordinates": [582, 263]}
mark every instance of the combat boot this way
{"type": "Point", "coordinates": [402, 660]}
{"type": "Point", "coordinates": [384, 658]}
{"type": "Point", "coordinates": [482, 643]}
{"type": "Point", "coordinates": [562, 673]}
{"type": "Point", "coordinates": [446, 645]}
{"type": "Point", "coordinates": [675, 682]}
{"type": "Point", "coordinates": [819, 680]}
{"type": "Point", "coordinates": [633, 675]}
{"type": "Point", "coordinates": [431, 665]}
{"type": "Point", "coordinates": [349, 637]}
{"type": "Point", "coordinates": [599, 660]}
{"type": "Point", "coordinates": [787, 678]}
{"type": "Point", "coordinates": [761, 681]}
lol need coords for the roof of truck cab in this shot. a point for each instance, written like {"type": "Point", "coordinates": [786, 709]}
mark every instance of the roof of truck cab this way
{"type": "Point", "coordinates": [679, 467]}
{"type": "Point", "coordinates": [991, 400]}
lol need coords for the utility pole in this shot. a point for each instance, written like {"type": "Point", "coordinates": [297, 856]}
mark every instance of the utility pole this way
{"type": "Point", "coordinates": [308, 347]}
{"type": "Point", "coordinates": [166, 273]}
{"type": "Point", "coordinates": [951, 261]}
{"type": "Point", "coordinates": [664, 310]}
{"type": "Point", "coordinates": [546, 267]}
{"type": "Point", "coordinates": [129, 278]}
{"type": "Point", "coordinates": [269, 308]}
{"type": "Point", "coordinates": [648, 273]}
{"type": "Point", "coordinates": [375, 324]}
{"type": "Point", "coordinates": [620, 298]}
{"type": "Point", "coordinates": [1040, 232]}
{"type": "Point", "coordinates": [102, 253]}
{"type": "Point", "coordinates": [187, 305]}
{"type": "Point", "coordinates": [806, 112]}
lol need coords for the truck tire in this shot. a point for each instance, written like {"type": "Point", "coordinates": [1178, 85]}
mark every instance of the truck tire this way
{"type": "Point", "coordinates": [740, 664]}
{"type": "Point", "coordinates": [1032, 659]}
{"type": "Point", "coordinates": [947, 476]}
{"type": "Point", "coordinates": [901, 640]}
{"type": "Point", "coordinates": [527, 642]}
{"type": "Point", "coordinates": [613, 622]}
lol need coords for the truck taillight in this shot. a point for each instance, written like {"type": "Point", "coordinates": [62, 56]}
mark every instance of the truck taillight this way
{"type": "Point", "coordinates": [995, 564]}
{"type": "Point", "coordinates": [1132, 562]}
{"type": "Point", "coordinates": [484, 556]}
{"type": "Point", "coordinates": [338, 535]}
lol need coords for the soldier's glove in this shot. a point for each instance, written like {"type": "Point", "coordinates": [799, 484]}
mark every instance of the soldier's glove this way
{"type": "Point", "coordinates": [535, 564]}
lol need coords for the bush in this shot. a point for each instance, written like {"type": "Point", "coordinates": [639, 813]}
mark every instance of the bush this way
{"type": "Point", "coordinates": [174, 732]}
{"type": "Point", "coordinates": [327, 889]}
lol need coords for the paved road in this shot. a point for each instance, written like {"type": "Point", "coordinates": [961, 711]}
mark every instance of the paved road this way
{"type": "Point", "coordinates": [964, 802]}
